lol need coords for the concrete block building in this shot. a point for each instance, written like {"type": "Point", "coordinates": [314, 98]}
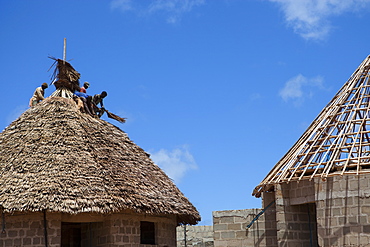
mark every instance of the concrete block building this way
{"type": "Point", "coordinates": [320, 188]}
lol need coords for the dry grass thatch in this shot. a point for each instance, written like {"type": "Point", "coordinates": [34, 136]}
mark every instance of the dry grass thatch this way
{"type": "Point", "coordinates": [55, 158]}
{"type": "Point", "coordinates": [115, 117]}
{"type": "Point", "coordinates": [65, 76]}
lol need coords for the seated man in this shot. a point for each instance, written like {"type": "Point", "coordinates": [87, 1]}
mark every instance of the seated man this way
{"type": "Point", "coordinates": [85, 101]}
{"type": "Point", "coordinates": [85, 86]}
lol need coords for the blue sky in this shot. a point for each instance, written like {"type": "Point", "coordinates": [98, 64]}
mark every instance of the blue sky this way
{"type": "Point", "coordinates": [217, 91]}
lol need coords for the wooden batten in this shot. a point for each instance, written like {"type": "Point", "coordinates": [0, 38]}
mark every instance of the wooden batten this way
{"type": "Point", "coordinates": [336, 143]}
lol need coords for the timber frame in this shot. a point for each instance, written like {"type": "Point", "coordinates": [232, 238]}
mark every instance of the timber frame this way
{"type": "Point", "coordinates": [336, 143]}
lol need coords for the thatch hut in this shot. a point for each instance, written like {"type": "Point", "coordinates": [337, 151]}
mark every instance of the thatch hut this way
{"type": "Point", "coordinates": [320, 189]}
{"type": "Point", "coordinates": [69, 179]}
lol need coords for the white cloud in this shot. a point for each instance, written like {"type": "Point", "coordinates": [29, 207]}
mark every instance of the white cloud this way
{"type": "Point", "coordinates": [173, 9]}
{"type": "Point", "coordinates": [299, 87]}
{"type": "Point", "coordinates": [123, 5]}
{"type": "Point", "coordinates": [310, 18]}
{"type": "Point", "coordinates": [175, 163]}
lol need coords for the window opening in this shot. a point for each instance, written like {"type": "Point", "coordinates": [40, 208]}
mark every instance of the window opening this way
{"type": "Point", "coordinates": [147, 232]}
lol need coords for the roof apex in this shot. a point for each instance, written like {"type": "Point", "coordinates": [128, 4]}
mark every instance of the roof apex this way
{"type": "Point", "coordinates": [336, 143]}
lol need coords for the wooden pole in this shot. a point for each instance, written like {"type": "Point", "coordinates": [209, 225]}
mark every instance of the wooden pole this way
{"type": "Point", "coordinates": [65, 49]}
{"type": "Point", "coordinates": [45, 229]}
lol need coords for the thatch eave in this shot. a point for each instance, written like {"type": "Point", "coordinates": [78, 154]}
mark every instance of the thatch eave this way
{"type": "Point", "coordinates": [55, 158]}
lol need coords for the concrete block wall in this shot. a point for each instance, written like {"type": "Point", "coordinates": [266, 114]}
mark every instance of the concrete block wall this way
{"type": "Point", "coordinates": [343, 210]}
{"type": "Point", "coordinates": [200, 236]}
{"type": "Point", "coordinates": [230, 228]}
{"type": "Point", "coordinates": [269, 204]}
{"type": "Point", "coordinates": [296, 214]}
{"type": "Point", "coordinates": [115, 230]}
{"type": "Point", "coordinates": [124, 230]}
{"type": "Point", "coordinates": [20, 229]}
{"type": "Point", "coordinates": [334, 212]}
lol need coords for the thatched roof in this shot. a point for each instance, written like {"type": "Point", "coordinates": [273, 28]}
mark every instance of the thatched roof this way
{"type": "Point", "coordinates": [336, 143]}
{"type": "Point", "coordinates": [55, 158]}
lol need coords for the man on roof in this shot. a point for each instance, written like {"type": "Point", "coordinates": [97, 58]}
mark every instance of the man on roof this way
{"type": "Point", "coordinates": [98, 99]}
{"type": "Point", "coordinates": [85, 86]}
{"type": "Point", "coordinates": [38, 95]}
{"type": "Point", "coordinates": [84, 98]}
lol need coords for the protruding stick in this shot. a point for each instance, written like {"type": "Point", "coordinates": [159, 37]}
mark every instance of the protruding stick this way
{"type": "Point", "coordinates": [65, 49]}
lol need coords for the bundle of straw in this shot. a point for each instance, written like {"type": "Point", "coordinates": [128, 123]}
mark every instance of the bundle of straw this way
{"type": "Point", "coordinates": [65, 75]}
{"type": "Point", "coordinates": [115, 117]}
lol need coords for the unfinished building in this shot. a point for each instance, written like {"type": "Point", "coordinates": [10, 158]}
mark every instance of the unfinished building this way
{"type": "Point", "coordinates": [320, 190]}
{"type": "Point", "coordinates": [318, 194]}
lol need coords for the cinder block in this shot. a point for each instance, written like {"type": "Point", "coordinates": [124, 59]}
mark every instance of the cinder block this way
{"type": "Point", "coordinates": [216, 220]}
{"type": "Point", "coordinates": [350, 201]}
{"type": "Point", "coordinates": [354, 185]}
{"type": "Point", "coordinates": [352, 220]}
{"type": "Point", "coordinates": [234, 226]}
{"type": "Point", "coordinates": [363, 220]}
{"type": "Point", "coordinates": [36, 241]}
{"type": "Point", "coordinates": [354, 241]}
{"type": "Point", "coordinates": [365, 210]}
{"type": "Point", "coordinates": [293, 194]}
{"type": "Point", "coordinates": [220, 243]}
{"type": "Point", "coordinates": [366, 198]}
{"type": "Point", "coordinates": [341, 220]}
{"type": "Point", "coordinates": [26, 241]}
{"type": "Point", "coordinates": [8, 242]}
{"type": "Point", "coordinates": [227, 235]}
{"type": "Point", "coordinates": [245, 219]}
{"type": "Point", "coordinates": [337, 211]}
{"type": "Point", "coordinates": [299, 193]}
{"type": "Point", "coordinates": [220, 227]}
{"type": "Point", "coordinates": [17, 242]}
{"type": "Point", "coordinates": [364, 183]}
{"type": "Point", "coordinates": [364, 240]}
{"type": "Point", "coordinates": [12, 233]}
{"type": "Point", "coordinates": [338, 202]}
{"type": "Point", "coordinates": [241, 234]}
{"type": "Point", "coordinates": [217, 235]}
{"type": "Point", "coordinates": [227, 220]}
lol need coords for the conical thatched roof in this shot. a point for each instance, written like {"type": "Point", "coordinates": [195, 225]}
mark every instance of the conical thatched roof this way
{"type": "Point", "coordinates": [55, 158]}
{"type": "Point", "coordinates": [336, 143]}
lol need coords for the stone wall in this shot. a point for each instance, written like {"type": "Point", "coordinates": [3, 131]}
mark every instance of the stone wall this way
{"type": "Point", "coordinates": [200, 236]}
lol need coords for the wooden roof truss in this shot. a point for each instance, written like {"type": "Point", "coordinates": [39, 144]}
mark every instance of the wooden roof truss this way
{"type": "Point", "coordinates": [336, 143]}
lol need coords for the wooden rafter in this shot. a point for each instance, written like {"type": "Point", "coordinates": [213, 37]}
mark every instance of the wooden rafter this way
{"type": "Point", "coordinates": [336, 143]}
